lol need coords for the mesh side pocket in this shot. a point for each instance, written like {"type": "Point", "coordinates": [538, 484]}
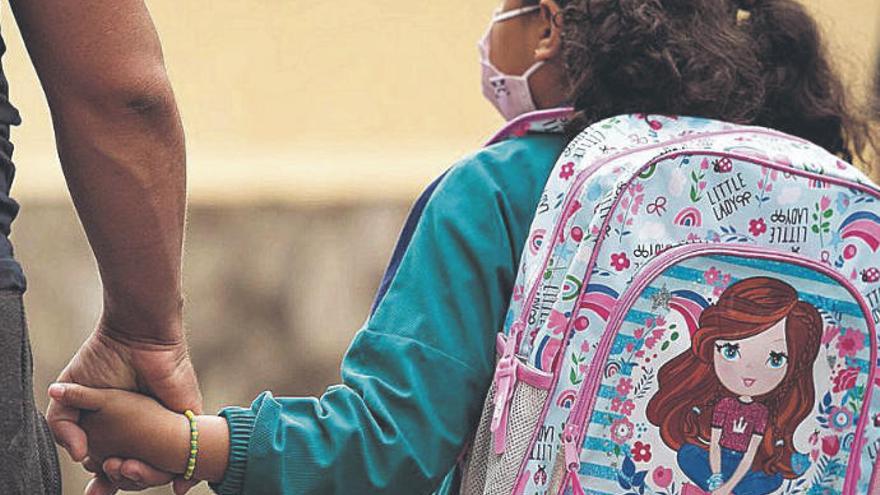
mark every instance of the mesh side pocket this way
{"type": "Point", "coordinates": [525, 408]}
{"type": "Point", "coordinates": [473, 480]}
{"type": "Point", "coordinates": [486, 473]}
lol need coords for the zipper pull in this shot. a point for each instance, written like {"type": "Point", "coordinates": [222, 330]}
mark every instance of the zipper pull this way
{"type": "Point", "coordinates": [514, 337]}
{"type": "Point", "coordinates": [505, 379]}
{"type": "Point", "coordinates": [576, 488]}
{"type": "Point", "coordinates": [572, 458]}
{"type": "Point", "coordinates": [572, 461]}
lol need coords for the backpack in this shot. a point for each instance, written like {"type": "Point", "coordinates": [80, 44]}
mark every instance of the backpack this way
{"type": "Point", "coordinates": [694, 312]}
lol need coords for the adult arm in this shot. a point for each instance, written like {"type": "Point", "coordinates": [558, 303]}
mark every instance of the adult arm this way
{"type": "Point", "coordinates": [121, 146]}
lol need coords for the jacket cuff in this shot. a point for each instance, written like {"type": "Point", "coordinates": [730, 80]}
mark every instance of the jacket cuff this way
{"type": "Point", "coordinates": [241, 426]}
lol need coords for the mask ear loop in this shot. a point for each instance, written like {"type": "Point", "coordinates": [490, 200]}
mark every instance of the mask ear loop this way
{"type": "Point", "coordinates": [510, 14]}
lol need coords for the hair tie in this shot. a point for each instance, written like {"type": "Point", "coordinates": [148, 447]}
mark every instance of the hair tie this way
{"type": "Point", "coordinates": [744, 10]}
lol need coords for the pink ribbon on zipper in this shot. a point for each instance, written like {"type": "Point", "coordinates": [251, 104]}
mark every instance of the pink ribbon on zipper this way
{"type": "Point", "coordinates": [505, 381]}
{"type": "Point", "coordinates": [572, 458]}
{"type": "Point", "coordinates": [576, 488]}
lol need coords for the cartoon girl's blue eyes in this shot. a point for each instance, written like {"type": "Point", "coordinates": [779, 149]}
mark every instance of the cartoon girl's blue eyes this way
{"type": "Point", "coordinates": [777, 360]}
{"type": "Point", "coordinates": [731, 352]}
{"type": "Point", "coordinates": [728, 351]}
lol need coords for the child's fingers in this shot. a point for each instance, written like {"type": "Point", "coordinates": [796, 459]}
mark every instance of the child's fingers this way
{"type": "Point", "coordinates": [91, 465]}
{"type": "Point", "coordinates": [145, 474]}
{"type": "Point", "coordinates": [78, 396]}
{"type": "Point", "coordinates": [103, 484]}
{"type": "Point", "coordinates": [63, 421]}
{"type": "Point", "coordinates": [112, 468]}
{"type": "Point", "coordinates": [181, 486]}
{"type": "Point", "coordinates": [100, 486]}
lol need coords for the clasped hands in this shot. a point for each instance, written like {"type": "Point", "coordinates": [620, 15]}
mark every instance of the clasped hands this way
{"type": "Point", "coordinates": [113, 360]}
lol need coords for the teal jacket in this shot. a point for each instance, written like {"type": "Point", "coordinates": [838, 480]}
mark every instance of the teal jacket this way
{"type": "Point", "coordinates": [417, 372]}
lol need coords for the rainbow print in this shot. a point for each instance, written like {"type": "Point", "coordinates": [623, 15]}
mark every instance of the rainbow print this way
{"type": "Point", "coordinates": [566, 399]}
{"type": "Point", "coordinates": [546, 352]}
{"type": "Point", "coordinates": [863, 225]}
{"type": "Point", "coordinates": [690, 306]}
{"type": "Point", "coordinates": [599, 299]}
{"type": "Point", "coordinates": [535, 240]}
{"type": "Point", "coordinates": [689, 217]}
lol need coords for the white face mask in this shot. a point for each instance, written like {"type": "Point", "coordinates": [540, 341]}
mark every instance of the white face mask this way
{"type": "Point", "coordinates": [508, 93]}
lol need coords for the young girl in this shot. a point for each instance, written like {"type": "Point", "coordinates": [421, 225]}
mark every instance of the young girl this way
{"type": "Point", "coordinates": [415, 377]}
{"type": "Point", "coordinates": [731, 403]}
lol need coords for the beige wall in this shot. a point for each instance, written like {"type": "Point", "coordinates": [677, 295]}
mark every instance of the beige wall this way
{"type": "Point", "coordinates": [274, 93]}
{"type": "Point", "coordinates": [327, 100]}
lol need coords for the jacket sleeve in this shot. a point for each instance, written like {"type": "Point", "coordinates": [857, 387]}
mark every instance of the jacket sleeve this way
{"type": "Point", "coordinates": [415, 375]}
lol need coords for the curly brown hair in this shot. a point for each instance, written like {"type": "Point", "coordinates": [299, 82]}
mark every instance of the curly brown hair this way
{"type": "Point", "coordinates": [705, 58]}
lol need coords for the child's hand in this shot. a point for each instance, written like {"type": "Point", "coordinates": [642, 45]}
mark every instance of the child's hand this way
{"type": "Point", "coordinates": [134, 426]}
{"type": "Point", "coordinates": [129, 425]}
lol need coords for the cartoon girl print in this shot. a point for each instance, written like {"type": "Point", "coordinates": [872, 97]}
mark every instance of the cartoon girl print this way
{"type": "Point", "coordinates": [730, 404]}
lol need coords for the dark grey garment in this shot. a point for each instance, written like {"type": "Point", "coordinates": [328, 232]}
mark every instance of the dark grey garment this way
{"type": "Point", "coordinates": [11, 275]}
{"type": "Point", "coordinates": [29, 461]}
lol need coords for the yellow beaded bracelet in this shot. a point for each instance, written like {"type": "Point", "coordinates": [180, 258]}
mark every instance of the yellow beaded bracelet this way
{"type": "Point", "coordinates": [194, 445]}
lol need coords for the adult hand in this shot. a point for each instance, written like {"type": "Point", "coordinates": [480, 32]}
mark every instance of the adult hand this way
{"type": "Point", "coordinates": [110, 359]}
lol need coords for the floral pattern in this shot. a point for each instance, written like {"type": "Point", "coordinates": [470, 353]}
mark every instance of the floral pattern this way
{"type": "Point", "coordinates": [717, 280]}
{"type": "Point", "coordinates": [821, 218]}
{"type": "Point", "coordinates": [851, 342]}
{"type": "Point", "coordinates": [757, 226]}
{"type": "Point", "coordinates": [567, 171]}
{"type": "Point", "coordinates": [621, 430]}
{"type": "Point", "coordinates": [641, 452]}
{"type": "Point", "coordinates": [620, 261]}
{"type": "Point", "coordinates": [624, 385]}
{"type": "Point", "coordinates": [662, 476]}
{"type": "Point", "coordinates": [839, 418]}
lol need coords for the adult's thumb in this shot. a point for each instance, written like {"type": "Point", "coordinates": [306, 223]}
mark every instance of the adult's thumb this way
{"type": "Point", "coordinates": [180, 392]}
